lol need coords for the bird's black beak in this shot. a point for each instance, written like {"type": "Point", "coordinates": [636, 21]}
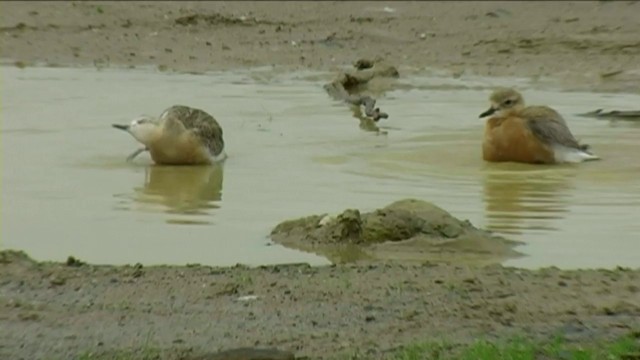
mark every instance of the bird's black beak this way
{"type": "Point", "coordinates": [121, 127]}
{"type": "Point", "coordinates": [488, 112]}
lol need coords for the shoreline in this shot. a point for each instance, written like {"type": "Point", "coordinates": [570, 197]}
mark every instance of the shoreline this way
{"type": "Point", "coordinates": [315, 312]}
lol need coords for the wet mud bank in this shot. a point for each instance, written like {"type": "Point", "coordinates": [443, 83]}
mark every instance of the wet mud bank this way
{"type": "Point", "coordinates": [73, 309]}
{"type": "Point", "coordinates": [536, 40]}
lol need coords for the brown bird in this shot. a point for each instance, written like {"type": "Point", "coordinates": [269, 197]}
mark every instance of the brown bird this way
{"type": "Point", "coordinates": [532, 134]}
{"type": "Point", "coordinates": [182, 135]}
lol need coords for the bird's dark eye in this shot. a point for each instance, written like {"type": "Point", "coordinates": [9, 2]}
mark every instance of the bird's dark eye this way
{"type": "Point", "coordinates": [508, 102]}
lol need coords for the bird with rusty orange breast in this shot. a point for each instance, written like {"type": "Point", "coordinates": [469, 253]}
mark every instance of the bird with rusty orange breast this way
{"type": "Point", "coordinates": [528, 134]}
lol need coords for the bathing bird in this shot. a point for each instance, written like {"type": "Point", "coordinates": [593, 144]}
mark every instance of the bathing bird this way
{"type": "Point", "coordinates": [182, 135]}
{"type": "Point", "coordinates": [528, 134]}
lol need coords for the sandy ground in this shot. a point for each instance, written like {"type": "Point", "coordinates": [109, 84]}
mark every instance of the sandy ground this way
{"type": "Point", "coordinates": [59, 310]}
{"type": "Point", "coordinates": [587, 45]}
{"type": "Point", "coordinates": [56, 311]}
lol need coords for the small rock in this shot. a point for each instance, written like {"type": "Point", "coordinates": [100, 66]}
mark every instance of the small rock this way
{"type": "Point", "coordinates": [57, 281]}
{"type": "Point", "coordinates": [71, 261]}
{"type": "Point", "coordinates": [325, 220]}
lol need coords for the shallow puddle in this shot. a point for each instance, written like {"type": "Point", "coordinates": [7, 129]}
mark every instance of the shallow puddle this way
{"type": "Point", "coordinates": [67, 190]}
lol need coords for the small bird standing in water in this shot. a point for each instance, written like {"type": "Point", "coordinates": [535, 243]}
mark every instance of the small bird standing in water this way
{"type": "Point", "coordinates": [532, 134]}
{"type": "Point", "coordinates": [180, 136]}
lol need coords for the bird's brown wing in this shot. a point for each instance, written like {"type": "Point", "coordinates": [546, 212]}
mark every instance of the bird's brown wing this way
{"type": "Point", "coordinates": [549, 127]}
{"type": "Point", "coordinates": [201, 123]}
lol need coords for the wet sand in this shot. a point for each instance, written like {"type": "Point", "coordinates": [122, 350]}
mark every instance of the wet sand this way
{"type": "Point", "coordinates": [587, 45]}
{"type": "Point", "coordinates": [56, 311]}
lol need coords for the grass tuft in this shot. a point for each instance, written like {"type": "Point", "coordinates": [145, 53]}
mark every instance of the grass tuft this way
{"type": "Point", "coordinates": [521, 348]}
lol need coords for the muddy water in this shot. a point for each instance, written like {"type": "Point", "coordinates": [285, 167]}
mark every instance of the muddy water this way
{"type": "Point", "coordinates": [66, 189]}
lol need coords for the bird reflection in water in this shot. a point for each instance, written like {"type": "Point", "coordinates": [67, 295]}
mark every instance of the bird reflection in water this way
{"type": "Point", "coordinates": [520, 201]}
{"type": "Point", "coordinates": [182, 190]}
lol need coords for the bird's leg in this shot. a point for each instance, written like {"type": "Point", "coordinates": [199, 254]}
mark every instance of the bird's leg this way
{"type": "Point", "coordinates": [136, 153]}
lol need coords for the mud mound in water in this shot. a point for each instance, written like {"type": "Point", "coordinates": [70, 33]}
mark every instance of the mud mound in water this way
{"type": "Point", "coordinates": [406, 230]}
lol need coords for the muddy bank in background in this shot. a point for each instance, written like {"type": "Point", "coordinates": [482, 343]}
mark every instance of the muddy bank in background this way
{"type": "Point", "coordinates": [407, 231]}
{"type": "Point", "coordinates": [527, 39]}
{"type": "Point", "coordinates": [60, 310]}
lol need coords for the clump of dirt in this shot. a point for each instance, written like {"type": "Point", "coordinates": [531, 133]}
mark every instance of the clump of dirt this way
{"type": "Point", "coordinates": [406, 230]}
{"type": "Point", "coordinates": [219, 19]}
{"type": "Point", "coordinates": [14, 257]}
